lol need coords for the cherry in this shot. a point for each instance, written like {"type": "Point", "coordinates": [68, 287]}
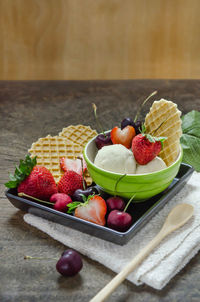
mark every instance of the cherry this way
{"type": "Point", "coordinates": [103, 140]}
{"type": "Point", "coordinates": [60, 201]}
{"type": "Point", "coordinates": [138, 127]}
{"type": "Point", "coordinates": [70, 263]}
{"type": "Point", "coordinates": [119, 221]}
{"type": "Point", "coordinates": [127, 122]}
{"type": "Point", "coordinates": [77, 196]}
{"type": "Point", "coordinates": [115, 203]}
{"type": "Point", "coordinates": [136, 123]}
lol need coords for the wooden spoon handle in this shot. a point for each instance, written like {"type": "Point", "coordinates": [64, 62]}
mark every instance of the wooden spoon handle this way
{"type": "Point", "coordinates": [119, 278]}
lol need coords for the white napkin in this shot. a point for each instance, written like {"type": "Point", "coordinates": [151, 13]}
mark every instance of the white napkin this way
{"type": "Point", "coordinates": [162, 264]}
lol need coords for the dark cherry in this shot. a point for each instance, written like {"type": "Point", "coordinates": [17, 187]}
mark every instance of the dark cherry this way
{"type": "Point", "coordinates": [119, 221]}
{"type": "Point", "coordinates": [89, 191]}
{"type": "Point", "coordinates": [115, 203]}
{"type": "Point", "coordinates": [70, 263]}
{"type": "Point", "coordinates": [101, 140]}
{"type": "Point", "coordinates": [138, 127]}
{"type": "Point", "coordinates": [127, 122]}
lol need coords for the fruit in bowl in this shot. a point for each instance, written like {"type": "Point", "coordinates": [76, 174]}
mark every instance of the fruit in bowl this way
{"type": "Point", "coordinates": [146, 174]}
{"type": "Point", "coordinates": [143, 186]}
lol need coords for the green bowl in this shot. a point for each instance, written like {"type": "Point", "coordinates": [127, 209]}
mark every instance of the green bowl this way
{"type": "Point", "coordinates": [143, 186]}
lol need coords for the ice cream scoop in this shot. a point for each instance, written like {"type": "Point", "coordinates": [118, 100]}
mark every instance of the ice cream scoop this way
{"type": "Point", "coordinates": [156, 164]}
{"type": "Point", "coordinates": [116, 158]}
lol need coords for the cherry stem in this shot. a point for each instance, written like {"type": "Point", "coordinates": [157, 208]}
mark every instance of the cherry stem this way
{"type": "Point", "coordinates": [126, 207]}
{"type": "Point", "coordinates": [34, 198]}
{"type": "Point", "coordinates": [84, 186]}
{"type": "Point", "coordinates": [38, 258]}
{"type": "Point", "coordinates": [119, 179]}
{"type": "Point", "coordinates": [140, 108]}
{"type": "Point", "coordinates": [97, 120]}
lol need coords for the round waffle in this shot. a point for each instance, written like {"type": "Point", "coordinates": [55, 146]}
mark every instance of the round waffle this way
{"type": "Point", "coordinates": [50, 149]}
{"type": "Point", "coordinates": [166, 114]}
{"type": "Point", "coordinates": [78, 134]}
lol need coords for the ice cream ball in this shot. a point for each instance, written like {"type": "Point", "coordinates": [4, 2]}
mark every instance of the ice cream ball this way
{"type": "Point", "coordinates": [156, 164]}
{"type": "Point", "coordinates": [116, 158]}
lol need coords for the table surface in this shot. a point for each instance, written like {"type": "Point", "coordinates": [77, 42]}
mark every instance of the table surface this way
{"type": "Point", "coordinates": [33, 109]}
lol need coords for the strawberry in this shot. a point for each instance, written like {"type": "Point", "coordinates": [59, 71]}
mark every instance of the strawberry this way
{"type": "Point", "coordinates": [73, 164]}
{"type": "Point", "coordinates": [32, 180]}
{"type": "Point", "coordinates": [40, 184]}
{"type": "Point", "coordinates": [145, 147]}
{"type": "Point", "coordinates": [93, 209]}
{"type": "Point", "coordinates": [70, 182]}
{"type": "Point", "coordinates": [124, 136]}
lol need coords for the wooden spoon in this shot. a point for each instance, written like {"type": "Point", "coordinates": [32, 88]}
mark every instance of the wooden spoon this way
{"type": "Point", "coordinates": [178, 216]}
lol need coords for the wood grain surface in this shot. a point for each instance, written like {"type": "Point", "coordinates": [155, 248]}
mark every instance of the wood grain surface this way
{"type": "Point", "coordinates": [29, 110]}
{"type": "Point", "coordinates": [102, 39]}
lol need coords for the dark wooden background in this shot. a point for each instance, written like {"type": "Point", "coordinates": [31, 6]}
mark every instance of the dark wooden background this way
{"type": "Point", "coordinates": [29, 110]}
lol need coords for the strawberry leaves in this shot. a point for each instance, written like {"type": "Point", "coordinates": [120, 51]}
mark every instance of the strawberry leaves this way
{"type": "Point", "coordinates": [73, 205]}
{"type": "Point", "coordinates": [21, 172]}
{"type": "Point", "coordinates": [152, 138]}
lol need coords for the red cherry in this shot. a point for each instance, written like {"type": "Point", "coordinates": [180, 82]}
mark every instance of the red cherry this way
{"type": "Point", "coordinates": [119, 221]}
{"type": "Point", "coordinates": [70, 263]}
{"type": "Point", "coordinates": [60, 201]}
{"type": "Point", "coordinates": [115, 203]}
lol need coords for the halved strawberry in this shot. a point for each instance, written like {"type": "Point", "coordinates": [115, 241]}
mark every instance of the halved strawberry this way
{"type": "Point", "coordinates": [124, 136]}
{"type": "Point", "coordinates": [93, 209]}
{"type": "Point", "coordinates": [67, 164]}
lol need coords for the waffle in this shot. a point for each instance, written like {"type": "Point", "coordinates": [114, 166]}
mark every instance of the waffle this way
{"type": "Point", "coordinates": [50, 149]}
{"type": "Point", "coordinates": [78, 134]}
{"type": "Point", "coordinates": [165, 112]}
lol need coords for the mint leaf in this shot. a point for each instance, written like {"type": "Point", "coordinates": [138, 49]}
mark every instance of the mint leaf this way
{"type": "Point", "coordinates": [191, 123]}
{"type": "Point", "coordinates": [190, 139]}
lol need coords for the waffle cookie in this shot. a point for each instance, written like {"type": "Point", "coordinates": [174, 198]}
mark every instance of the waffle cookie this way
{"type": "Point", "coordinates": [50, 149]}
{"type": "Point", "coordinates": [166, 113]}
{"type": "Point", "coordinates": [78, 134]}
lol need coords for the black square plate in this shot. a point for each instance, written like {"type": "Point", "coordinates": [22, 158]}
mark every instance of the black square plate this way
{"type": "Point", "coordinates": [141, 212]}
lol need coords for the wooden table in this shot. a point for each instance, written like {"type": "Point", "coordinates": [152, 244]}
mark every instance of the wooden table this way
{"type": "Point", "coordinates": [30, 110]}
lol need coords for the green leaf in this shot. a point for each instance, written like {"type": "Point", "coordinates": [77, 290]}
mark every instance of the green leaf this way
{"type": "Point", "coordinates": [72, 206]}
{"type": "Point", "coordinates": [190, 139]}
{"type": "Point", "coordinates": [84, 197]}
{"type": "Point", "coordinates": [90, 196]}
{"type": "Point", "coordinates": [21, 172]}
{"type": "Point", "coordinates": [12, 178]}
{"type": "Point", "coordinates": [191, 123]}
{"type": "Point", "coordinates": [11, 184]}
{"type": "Point", "coordinates": [150, 138]}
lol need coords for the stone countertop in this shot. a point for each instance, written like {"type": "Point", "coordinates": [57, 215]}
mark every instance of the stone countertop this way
{"type": "Point", "coordinates": [33, 109]}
